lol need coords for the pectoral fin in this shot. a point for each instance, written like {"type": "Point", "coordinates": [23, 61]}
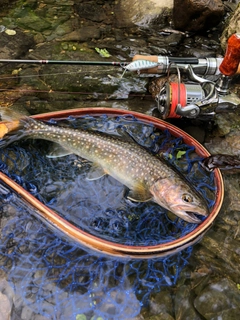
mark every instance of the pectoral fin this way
{"type": "Point", "coordinates": [139, 194]}
{"type": "Point", "coordinates": [58, 151]}
{"type": "Point", "coordinates": [96, 172]}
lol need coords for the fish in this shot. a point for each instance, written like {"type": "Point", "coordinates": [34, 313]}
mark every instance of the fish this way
{"type": "Point", "coordinates": [147, 177]}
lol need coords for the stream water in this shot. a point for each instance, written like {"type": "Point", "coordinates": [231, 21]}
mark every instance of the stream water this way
{"type": "Point", "coordinates": [45, 276]}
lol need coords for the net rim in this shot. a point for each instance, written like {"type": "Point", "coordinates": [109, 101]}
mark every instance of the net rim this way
{"type": "Point", "coordinates": [112, 248]}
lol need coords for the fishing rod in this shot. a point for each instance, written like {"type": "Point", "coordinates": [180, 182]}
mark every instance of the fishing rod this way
{"type": "Point", "coordinates": [178, 99]}
{"type": "Point", "coordinates": [68, 62]}
{"type": "Point", "coordinates": [144, 64]}
{"type": "Point", "coordinates": [162, 64]}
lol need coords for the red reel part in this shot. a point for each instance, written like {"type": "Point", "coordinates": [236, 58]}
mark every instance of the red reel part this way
{"type": "Point", "coordinates": [174, 94]}
{"type": "Point", "coordinates": [178, 96]}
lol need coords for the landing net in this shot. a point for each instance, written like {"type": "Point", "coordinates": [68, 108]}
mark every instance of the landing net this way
{"type": "Point", "coordinates": [100, 207]}
{"type": "Point", "coordinates": [58, 278]}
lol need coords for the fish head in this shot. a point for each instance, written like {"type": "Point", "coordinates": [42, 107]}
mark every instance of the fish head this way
{"type": "Point", "coordinates": [177, 196]}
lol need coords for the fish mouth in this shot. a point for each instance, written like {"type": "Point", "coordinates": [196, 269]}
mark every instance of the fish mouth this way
{"type": "Point", "coordinates": [190, 214]}
{"type": "Point", "coordinates": [191, 217]}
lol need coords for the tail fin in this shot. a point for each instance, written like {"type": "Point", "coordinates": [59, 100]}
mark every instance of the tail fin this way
{"type": "Point", "coordinates": [10, 113]}
{"type": "Point", "coordinates": [14, 130]}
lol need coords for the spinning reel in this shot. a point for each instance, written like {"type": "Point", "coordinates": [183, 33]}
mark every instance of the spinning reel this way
{"type": "Point", "coordinates": [199, 96]}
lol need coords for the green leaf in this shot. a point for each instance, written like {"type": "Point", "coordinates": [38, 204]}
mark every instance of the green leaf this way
{"type": "Point", "coordinates": [81, 317]}
{"type": "Point", "coordinates": [238, 286]}
{"type": "Point", "coordinates": [180, 154]}
{"type": "Point", "coordinates": [103, 52]}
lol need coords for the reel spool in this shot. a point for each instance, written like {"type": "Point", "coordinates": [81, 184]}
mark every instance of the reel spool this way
{"type": "Point", "coordinates": [175, 96]}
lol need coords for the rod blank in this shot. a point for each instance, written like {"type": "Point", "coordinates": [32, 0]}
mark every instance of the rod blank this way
{"type": "Point", "coordinates": [69, 62]}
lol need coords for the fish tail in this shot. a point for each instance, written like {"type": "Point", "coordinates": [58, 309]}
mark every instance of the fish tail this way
{"type": "Point", "coordinates": [11, 131]}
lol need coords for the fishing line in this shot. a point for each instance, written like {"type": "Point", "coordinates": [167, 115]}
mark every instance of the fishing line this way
{"type": "Point", "coordinates": [16, 77]}
{"type": "Point", "coordinates": [73, 92]}
{"type": "Point", "coordinates": [54, 74]}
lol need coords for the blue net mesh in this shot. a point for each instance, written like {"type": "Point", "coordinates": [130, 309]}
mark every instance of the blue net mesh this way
{"type": "Point", "coordinates": [58, 278]}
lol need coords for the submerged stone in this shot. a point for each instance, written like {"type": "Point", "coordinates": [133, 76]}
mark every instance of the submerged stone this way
{"type": "Point", "coordinates": [184, 308]}
{"type": "Point", "coordinates": [218, 299]}
{"type": "Point", "coordinates": [161, 304]}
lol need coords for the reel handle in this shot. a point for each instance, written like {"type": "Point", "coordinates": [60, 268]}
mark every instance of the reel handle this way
{"type": "Point", "coordinates": [230, 64]}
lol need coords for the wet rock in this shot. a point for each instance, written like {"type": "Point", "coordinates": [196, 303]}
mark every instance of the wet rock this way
{"type": "Point", "coordinates": [112, 303]}
{"type": "Point", "coordinates": [232, 184]}
{"type": "Point", "coordinates": [226, 136]}
{"type": "Point", "coordinates": [13, 47]}
{"type": "Point", "coordinates": [165, 43]}
{"type": "Point", "coordinates": [5, 311]}
{"type": "Point", "coordinates": [195, 15]}
{"type": "Point", "coordinates": [32, 21]}
{"type": "Point", "coordinates": [233, 26]}
{"type": "Point", "coordinates": [83, 34]}
{"type": "Point", "coordinates": [230, 314]}
{"type": "Point", "coordinates": [6, 300]}
{"type": "Point", "coordinates": [45, 19]}
{"type": "Point", "coordinates": [91, 11]}
{"type": "Point", "coordinates": [199, 53]}
{"type": "Point", "coordinates": [218, 250]}
{"type": "Point", "coordinates": [227, 122]}
{"type": "Point", "coordinates": [3, 2]}
{"type": "Point", "coordinates": [40, 317]}
{"type": "Point", "coordinates": [138, 317]}
{"type": "Point", "coordinates": [200, 46]}
{"type": "Point", "coordinates": [143, 13]}
{"type": "Point", "coordinates": [6, 3]}
{"type": "Point", "coordinates": [27, 313]}
{"type": "Point", "coordinates": [64, 28]}
{"type": "Point", "coordinates": [225, 248]}
{"type": "Point", "coordinates": [163, 316]}
{"type": "Point", "coordinates": [220, 299]}
{"type": "Point", "coordinates": [161, 304]}
{"type": "Point", "coordinates": [184, 309]}
{"type": "Point", "coordinates": [230, 144]}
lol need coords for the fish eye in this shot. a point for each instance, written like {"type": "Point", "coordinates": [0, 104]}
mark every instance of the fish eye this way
{"type": "Point", "coordinates": [187, 198]}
